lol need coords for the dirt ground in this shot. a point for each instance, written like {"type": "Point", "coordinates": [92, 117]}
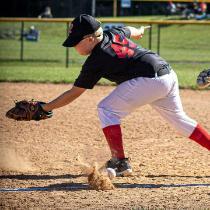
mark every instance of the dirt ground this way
{"type": "Point", "coordinates": [40, 167]}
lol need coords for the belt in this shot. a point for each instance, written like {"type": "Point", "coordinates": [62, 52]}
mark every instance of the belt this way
{"type": "Point", "coordinates": [163, 71]}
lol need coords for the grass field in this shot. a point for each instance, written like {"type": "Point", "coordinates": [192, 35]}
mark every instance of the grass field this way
{"type": "Point", "coordinates": [186, 48]}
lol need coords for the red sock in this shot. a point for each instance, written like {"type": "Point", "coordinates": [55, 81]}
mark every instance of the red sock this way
{"type": "Point", "coordinates": [201, 137]}
{"type": "Point", "coordinates": [114, 138]}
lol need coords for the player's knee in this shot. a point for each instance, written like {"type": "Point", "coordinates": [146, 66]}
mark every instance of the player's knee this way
{"type": "Point", "coordinates": [103, 106]}
{"type": "Point", "coordinates": [106, 115]}
{"type": "Point", "coordinates": [100, 105]}
{"type": "Point", "coordinates": [103, 110]}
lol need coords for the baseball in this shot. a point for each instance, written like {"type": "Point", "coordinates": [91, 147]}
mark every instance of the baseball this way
{"type": "Point", "coordinates": [111, 173]}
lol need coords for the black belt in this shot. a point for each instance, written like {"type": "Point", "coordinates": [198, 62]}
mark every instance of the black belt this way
{"type": "Point", "coordinates": [163, 71]}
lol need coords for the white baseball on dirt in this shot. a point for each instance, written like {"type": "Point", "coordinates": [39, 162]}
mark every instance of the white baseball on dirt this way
{"type": "Point", "coordinates": [111, 173]}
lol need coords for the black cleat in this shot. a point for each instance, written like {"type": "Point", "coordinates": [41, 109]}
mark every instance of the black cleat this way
{"type": "Point", "coordinates": [121, 166]}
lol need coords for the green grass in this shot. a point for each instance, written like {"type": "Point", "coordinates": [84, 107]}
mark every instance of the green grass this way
{"type": "Point", "coordinates": [43, 74]}
{"type": "Point", "coordinates": [187, 74]}
{"type": "Point", "coordinates": [185, 47]}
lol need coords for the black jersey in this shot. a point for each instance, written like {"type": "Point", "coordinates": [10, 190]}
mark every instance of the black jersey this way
{"type": "Point", "coordinates": [118, 59]}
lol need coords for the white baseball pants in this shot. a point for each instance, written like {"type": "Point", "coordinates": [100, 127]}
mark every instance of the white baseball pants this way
{"type": "Point", "coordinates": [162, 93]}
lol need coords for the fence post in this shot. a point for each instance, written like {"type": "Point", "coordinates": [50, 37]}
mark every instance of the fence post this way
{"type": "Point", "coordinates": [115, 8]}
{"type": "Point", "coordinates": [150, 37]}
{"type": "Point", "coordinates": [158, 40]}
{"type": "Point", "coordinates": [93, 8]}
{"type": "Point", "coordinates": [21, 41]}
{"type": "Point", "coordinates": [67, 49]}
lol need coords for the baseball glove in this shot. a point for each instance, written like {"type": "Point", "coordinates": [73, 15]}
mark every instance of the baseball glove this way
{"type": "Point", "coordinates": [203, 79]}
{"type": "Point", "coordinates": [28, 110]}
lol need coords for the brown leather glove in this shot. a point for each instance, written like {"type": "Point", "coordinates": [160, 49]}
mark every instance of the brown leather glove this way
{"type": "Point", "coordinates": [28, 110]}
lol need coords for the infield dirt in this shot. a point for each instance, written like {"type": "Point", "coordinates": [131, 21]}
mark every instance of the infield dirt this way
{"type": "Point", "coordinates": [40, 159]}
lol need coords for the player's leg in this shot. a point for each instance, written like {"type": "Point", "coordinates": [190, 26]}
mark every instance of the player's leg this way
{"type": "Point", "coordinates": [111, 110]}
{"type": "Point", "coordinates": [171, 109]}
{"type": "Point", "coordinates": [120, 102]}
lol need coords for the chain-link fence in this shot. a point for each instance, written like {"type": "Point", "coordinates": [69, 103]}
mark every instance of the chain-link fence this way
{"type": "Point", "coordinates": [188, 43]}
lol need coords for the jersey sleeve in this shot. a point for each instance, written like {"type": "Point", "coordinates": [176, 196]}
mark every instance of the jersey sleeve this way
{"type": "Point", "coordinates": [88, 77]}
{"type": "Point", "coordinates": [122, 30]}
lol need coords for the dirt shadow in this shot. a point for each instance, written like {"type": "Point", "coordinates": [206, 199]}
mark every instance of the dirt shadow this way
{"type": "Point", "coordinates": [82, 186]}
{"type": "Point", "coordinates": [40, 177]}
{"type": "Point", "coordinates": [124, 185]}
{"type": "Point", "coordinates": [169, 176]}
{"type": "Point", "coordinates": [51, 187]}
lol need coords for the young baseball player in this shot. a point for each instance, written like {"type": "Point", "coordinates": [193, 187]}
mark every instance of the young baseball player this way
{"type": "Point", "coordinates": [142, 77]}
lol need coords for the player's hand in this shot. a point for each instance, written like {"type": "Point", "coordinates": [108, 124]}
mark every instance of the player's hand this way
{"type": "Point", "coordinates": [139, 33]}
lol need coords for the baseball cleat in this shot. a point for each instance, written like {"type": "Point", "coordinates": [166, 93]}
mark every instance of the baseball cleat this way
{"type": "Point", "coordinates": [121, 166]}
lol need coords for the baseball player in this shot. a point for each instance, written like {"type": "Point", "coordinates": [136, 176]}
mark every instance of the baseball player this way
{"type": "Point", "coordinates": [142, 77]}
